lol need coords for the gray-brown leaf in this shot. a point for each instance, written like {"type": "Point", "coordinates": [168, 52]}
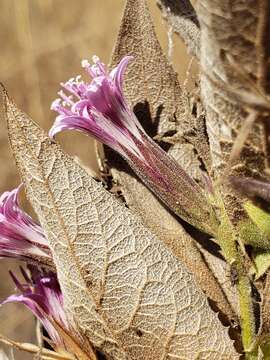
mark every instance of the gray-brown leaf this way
{"type": "Point", "coordinates": [151, 84]}
{"type": "Point", "coordinates": [183, 19]}
{"type": "Point", "coordinates": [123, 288]}
{"type": "Point", "coordinates": [170, 231]}
{"type": "Point", "coordinates": [234, 61]}
{"type": "Point", "coordinates": [222, 272]}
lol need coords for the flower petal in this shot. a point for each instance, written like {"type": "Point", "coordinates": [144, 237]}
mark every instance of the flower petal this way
{"type": "Point", "coordinates": [44, 298]}
{"type": "Point", "coordinates": [101, 109]}
{"type": "Point", "coordinates": [20, 236]}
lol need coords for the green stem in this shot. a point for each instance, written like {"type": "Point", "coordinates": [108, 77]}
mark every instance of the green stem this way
{"type": "Point", "coordinates": [227, 241]}
{"type": "Point", "coordinates": [247, 315]}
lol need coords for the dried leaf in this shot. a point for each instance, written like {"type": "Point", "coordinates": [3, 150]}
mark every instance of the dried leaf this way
{"type": "Point", "coordinates": [151, 84]}
{"type": "Point", "coordinates": [73, 346]}
{"type": "Point", "coordinates": [188, 159]}
{"type": "Point", "coordinates": [135, 193]}
{"type": "Point", "coordinates": [125, 290]}
{"type": "Point", "coordinates": [195, 133]}
{"type": "Point", "coordinates": [152, 88]}
{"type": "Point", "coordinates": [221, 270]}
{"type": "Point", "coordinates": [233, 56]}
{"type": "Point", "coordinates": [170, 231]}
{"type": "Point", "coordinates": [265, 308]}
{"type": "Point", "coordinates": [183, 19]}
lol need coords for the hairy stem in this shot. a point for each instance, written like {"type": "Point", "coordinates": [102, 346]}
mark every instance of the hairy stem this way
{"type": "Point", "coordinates": [247, 315]}
{"type": "Point", "coordinates": [232, 253]}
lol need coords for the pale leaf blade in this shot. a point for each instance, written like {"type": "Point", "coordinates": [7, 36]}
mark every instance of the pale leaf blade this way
{"type": "Point", "coordinates": [150, 81]}
{"type": "Point", "coordinates": [34, 169]}
{"type": "Point", "coordinates": [151, 85]}
{"type": "Point", "coordinates": [152, 88]}
{"type": "Point", "coordinates": [162, 223]}
{"type": "Point", "coordinates": [122, 286]}
{"type": "Point", "coordinates": [234, 60]}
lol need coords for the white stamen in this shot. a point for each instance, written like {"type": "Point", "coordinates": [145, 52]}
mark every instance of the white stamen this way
{"type": "Point", "coordinates": [95, 59]}
{"type": "Point", "coordinates": [85, 63]}
{"type": "Point", "coordinates": [68, 100]}
{"type": "Point", "coordinates": [55, 104]}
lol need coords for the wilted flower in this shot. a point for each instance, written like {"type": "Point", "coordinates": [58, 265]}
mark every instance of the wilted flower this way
{"type": "Point", "coordinates": [42, 295]}
{"type": "Point", "coordinates": [100, 109]}
{"type": "Point", "coordinates": [20, 236]}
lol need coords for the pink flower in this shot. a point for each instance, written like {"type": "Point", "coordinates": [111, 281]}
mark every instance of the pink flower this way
{"type": "Point", "coordinates": [20, 236]}
{"type": "Point", "coordinates": [100, 109]}
{"type": "Point", "coordinates": [42, 295]}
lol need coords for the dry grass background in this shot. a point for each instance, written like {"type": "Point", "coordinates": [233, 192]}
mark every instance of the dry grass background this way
{"type": "Point", "coordinates": [42, 43]}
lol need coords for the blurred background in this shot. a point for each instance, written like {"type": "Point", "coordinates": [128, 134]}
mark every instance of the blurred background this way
{"type": "Point", "coordinates": [42, 44]}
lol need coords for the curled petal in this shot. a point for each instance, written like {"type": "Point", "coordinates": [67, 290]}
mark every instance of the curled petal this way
{"type": "Point", "coordinates": [117, 74]}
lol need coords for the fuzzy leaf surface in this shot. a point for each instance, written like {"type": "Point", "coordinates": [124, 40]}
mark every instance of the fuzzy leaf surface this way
{"type": "Point", "coordinates": [151, 84]}
{"type": "Point", "coordinates": [122, 286]}
{"type": "Point", "coordinates": [162, 223]}
{"type": "Point", "coordinates": [183, 19]}
{"type": "Point", "coordinates": [235, 61]}
{"type": "Point", "coordinates": [152, 89]}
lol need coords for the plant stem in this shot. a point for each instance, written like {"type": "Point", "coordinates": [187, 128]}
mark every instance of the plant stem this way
{"type": "Point", "coordinates": [247, 314]}
{"type": "Point", "coordinates": [227, 241]}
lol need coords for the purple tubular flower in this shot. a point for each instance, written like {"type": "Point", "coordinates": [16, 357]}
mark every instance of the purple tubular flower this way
{"type": "Point", "coordinates": [100, 109]}
{"type": "Point", "coordinates": [42, 295]}
{"type": "Point", "coordinates": [20, 236]}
